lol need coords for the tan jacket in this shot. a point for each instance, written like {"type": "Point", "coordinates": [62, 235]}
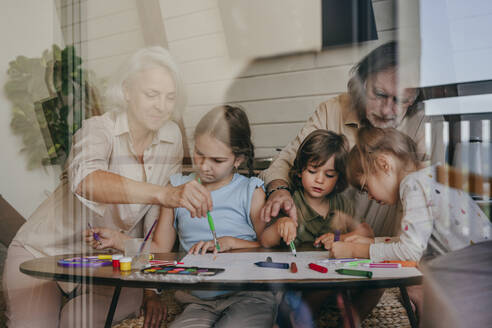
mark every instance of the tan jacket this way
{"type": "Point", "coordinates": [336, 114]}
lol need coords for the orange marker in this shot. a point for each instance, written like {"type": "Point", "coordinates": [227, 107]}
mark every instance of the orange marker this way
{"type": "Point", "coordinates": [293, 267]}
{"type": "Point", "coordinates": [408, 264]}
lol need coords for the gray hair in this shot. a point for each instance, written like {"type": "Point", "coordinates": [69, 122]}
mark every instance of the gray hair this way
{"type": "Point", "coordinates": [143, 59]}
{"type": "Point", "coordinates": [380, 59]}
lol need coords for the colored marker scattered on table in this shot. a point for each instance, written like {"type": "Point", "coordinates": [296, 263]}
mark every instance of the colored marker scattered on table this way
{"type": "Point", "coordinates": [381, 265]}
{"type": "Point", "coordinates": [293, 248]}
{"type": "Point", "coordinates": [351, 272]}
{"type": "Point", "coordinates": [95, 234]}
{"type": "Point", "coordinates": [212, 226]}
{"type": "Point", "coordinates": [338, 261]}
{"type": "Point", "coordinates": [275, 265]}
{"type": "Point", "coordinates": [293, 267]}
{"type": "Point", "coordinates": [319, 268]}
{"type": "Point", "coordinates": [408, 264]}
{"type": "Point", "coordinates": [356, 263]}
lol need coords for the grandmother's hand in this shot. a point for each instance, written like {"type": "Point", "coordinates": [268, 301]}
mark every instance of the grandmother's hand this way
{"type": "Point", "coordinates": [192, 196]}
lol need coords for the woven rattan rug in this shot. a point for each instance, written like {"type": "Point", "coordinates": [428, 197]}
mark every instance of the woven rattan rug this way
{"type": "Point", "coordinates": [388, 313]}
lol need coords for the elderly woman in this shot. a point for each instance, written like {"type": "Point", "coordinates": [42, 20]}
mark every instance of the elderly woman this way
{"type": "Point", "coordinates": [117, 178]}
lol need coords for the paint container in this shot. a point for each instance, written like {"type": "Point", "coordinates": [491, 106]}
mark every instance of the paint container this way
{"type": "Point", "coordinates": [126, 264]}
{"type": "Point", "coordinates": [116, 260]}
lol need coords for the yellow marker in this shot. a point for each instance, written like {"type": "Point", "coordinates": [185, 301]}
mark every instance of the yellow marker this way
{"type": "Point", "coordinates": [105, 257]}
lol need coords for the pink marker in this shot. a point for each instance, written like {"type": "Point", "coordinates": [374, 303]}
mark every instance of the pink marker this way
{"type": "Point", "coordinates": [381, 265]}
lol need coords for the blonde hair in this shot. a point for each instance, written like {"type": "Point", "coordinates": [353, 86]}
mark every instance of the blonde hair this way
{"type": "Point", "coordinates": [141, 60]}
{"type": "Point", "coordinates": [371, 142]}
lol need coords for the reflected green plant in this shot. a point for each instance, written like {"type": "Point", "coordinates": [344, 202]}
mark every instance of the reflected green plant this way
{"type": "Point", "coordinates": [50, 96]}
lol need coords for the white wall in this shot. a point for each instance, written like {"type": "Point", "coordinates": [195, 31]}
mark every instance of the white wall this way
{"type": "Point", "coordinates": [110, 30]}
{"type": "Point", "coordinates": [278, 93]}
{"type": "Point", "coordinates": [27, 27]}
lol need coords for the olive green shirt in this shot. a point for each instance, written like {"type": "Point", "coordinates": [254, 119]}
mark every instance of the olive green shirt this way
{"type": "Point", "coordinates": [311, 224]}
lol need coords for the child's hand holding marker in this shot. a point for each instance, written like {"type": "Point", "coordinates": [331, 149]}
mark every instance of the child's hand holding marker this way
{"type": "Point", "coordinates": [226, 243]}
{"type": "Point", "coordinates": [107, 238]}
{"type": "Point", "coordinates": [326, 239]}
{"type": "Point", "coordinates": [287, 229]}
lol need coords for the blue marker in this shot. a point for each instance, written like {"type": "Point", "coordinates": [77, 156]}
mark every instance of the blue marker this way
{"type": "Point", "coordinates": [274, 265]}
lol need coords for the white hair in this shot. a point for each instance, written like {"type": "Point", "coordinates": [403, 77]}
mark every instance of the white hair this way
{"type": "Point", "coordinates": [143, 59]}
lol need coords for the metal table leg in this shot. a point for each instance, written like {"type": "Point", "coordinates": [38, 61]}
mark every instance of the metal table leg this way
{"type": "Point", "coordinates": [112, 308]}
{"type": "Point", "coordinates": [408, 307]}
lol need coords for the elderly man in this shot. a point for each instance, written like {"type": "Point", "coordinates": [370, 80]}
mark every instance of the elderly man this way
{"type": "Point", "coordinates": [372, 99]}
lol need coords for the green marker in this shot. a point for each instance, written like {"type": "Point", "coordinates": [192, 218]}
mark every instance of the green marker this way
{"type": "Point", "coordinates": [351, 272]}
{"type": "Point", "coordinates": [356, 263]}
{"type": "Point", "coordinates": [211, 225]}
{"type": "Point", "coordinates": [293, 248]}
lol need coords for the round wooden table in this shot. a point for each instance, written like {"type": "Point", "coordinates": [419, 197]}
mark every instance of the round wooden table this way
{"type": "Point", "coordinates": [48, 268]}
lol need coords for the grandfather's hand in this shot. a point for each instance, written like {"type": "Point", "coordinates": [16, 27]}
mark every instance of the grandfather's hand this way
{"type": "Point", "coordinates": [192, 196]}
{"type": "Point", "coordinates": [279, 200]}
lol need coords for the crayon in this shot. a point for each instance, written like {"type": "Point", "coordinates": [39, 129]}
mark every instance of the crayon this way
{"type": "Point", "coordinates": [293, 267]}
{"type": "Point", "coordinates": [274, 265]}
{"type": "Point", "coordinates": [105, 257]}
{"type": "Point", "coordinates": [337, 235]}
{"type": "Point", "coordinates": [351, 272]}
{"type": "Point", "coordinates": [319, 268]}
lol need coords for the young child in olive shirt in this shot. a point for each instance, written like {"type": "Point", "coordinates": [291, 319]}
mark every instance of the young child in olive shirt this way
{"type": "Point", "coordinates": [323, 213]}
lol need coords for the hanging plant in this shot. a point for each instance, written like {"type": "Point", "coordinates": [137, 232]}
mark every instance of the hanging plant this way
{"type": "Point", "coordinates": [51, 96]}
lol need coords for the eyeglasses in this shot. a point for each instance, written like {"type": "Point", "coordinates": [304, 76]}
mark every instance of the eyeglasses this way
{"type": "Point", "coordinates": [382, 98]}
